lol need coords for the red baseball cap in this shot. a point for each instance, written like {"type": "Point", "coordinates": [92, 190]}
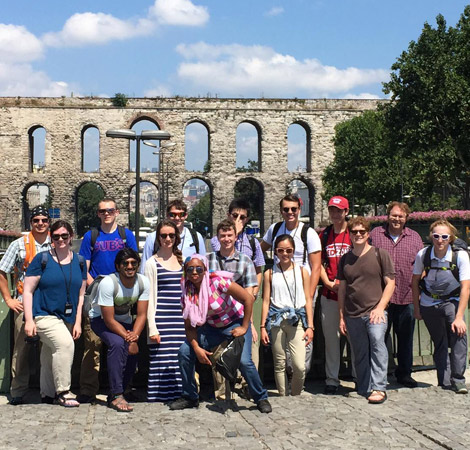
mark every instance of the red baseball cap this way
{"type": "Point", "coordinates": [339, 202]}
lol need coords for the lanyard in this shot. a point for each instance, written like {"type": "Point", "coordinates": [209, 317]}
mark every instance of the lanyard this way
{"type": "Point", "coordinates": [293, 298]}
{"type": "Point", "coordinates": [69, 284]}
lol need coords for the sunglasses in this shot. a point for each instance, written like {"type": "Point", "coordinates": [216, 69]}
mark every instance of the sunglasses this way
{"type": "Point", "coordinates": [63, 236]}
{"type": "Point", "coordinates": [40, 221]}
{"type": "Point", "coordinates": [198, 269]}
{"type": "Point", "coordinates": [287, 251]}
{"type": "Point", "coordinates": [132, 262]}
{"type": "Point", "coordinates": [294, 209]}
{"type": "Point", "coordinates": [361, 232]}
{"type": "Point", "coordinates": [236, 216]}
{"type": "Point", "coordinates": [107, 210]}
{"type": "Point", "coordinates": [165, 235]}
{"type": "Point", "coordinates": [177, 215]}
{"type": "Point", "coordinates": [444, 237]}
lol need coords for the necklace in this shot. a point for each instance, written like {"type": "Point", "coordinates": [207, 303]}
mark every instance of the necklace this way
{"type": "Point", "coordinates": [292, 297]}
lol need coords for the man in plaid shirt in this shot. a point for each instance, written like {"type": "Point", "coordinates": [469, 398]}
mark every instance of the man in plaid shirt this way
{"type": "Point", "coordinates": [16, 259]}
{"type": "Point", "coordinates": [403, 245]}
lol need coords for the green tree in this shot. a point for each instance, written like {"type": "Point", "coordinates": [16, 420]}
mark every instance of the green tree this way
{"type": "Point", "coordinates": [143, 221]}
{"type": "Point", "coordinates": [249, 190]}
{"type": "Point", "coordinates": [120, 100]}
{"type": "Point", "coordinates": [201, 215]}
{"type": "Point", "coordinates": [89, 195]}
{"type": "Point", "coordinates": [252, 166]}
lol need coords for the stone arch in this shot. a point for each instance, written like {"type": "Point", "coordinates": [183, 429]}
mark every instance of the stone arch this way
{"type": "Point", "coordinates": [90, 138]}
{"type": "Point", "coordinates": [197, 142]}
{"type": "Point", "coordinates": [248, 146]}
{"type": "Point", "coordinates": [200, 204]}
{"type": "Point", "coordinates": [37, 148]}
{"type": "Point", "coordinates": [299, 147]}
{"type": "Point", "coordinates": [148, 161]}
{"type": "Point", "coordinates": [252, 190]}
{"type": "Point", "coordinates": [149, 202]}
{"type": "Point", "coordinates": [304, 189]}
{"type": "Point", "coordinates": [87, 197]}
{"type": "Point", "coordinates": [34, 194]}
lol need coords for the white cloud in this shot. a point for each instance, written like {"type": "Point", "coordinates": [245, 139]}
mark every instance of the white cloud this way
{"type": "Point", "coordinates": [159, 90]}
{"type": "Point", "coordinates": [17, 44]}
{"type": "Point", "coordinates": [179, 12]}
{"type": "Point", "coordinates": [275, 11]}
{"type": "Point", "coordinates": [362, 96]}
{"type": "Point", "coordinates": [254, 70]}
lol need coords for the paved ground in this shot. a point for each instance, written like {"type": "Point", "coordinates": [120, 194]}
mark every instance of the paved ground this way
{"type": "Point", "coordinates": [425, 417]}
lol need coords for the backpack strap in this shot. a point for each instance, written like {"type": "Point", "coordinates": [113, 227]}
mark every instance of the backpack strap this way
{"type": "Point", "coordinates": [195, 238]}
{"type": "Point", "coordinates": [276, 229]}
{"type": "Point", "coordinates": [303, 237]}
{"type": "Point", "coordinates": [140, 280]}
{"type": "Point", "coordinates": [44, 259]}
{"type": "Point", "coordinates": [251, 240]}
{"type": "Point", "coordinates": [324, 241]}
{"type": "Point", "coordinates": [94, 236]}
{"type": "Point", "coordinates": [122, 234]}
{"type": "Point", "coordinates": [115, 284]}
{"type": "Point", "coordinates": [81, 261]}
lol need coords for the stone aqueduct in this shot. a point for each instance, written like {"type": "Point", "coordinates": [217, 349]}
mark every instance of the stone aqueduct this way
{"type": "Point", "coordinates": [64, 120]}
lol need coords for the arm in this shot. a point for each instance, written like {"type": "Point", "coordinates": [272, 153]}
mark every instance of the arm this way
{"type": "Point", "coordinates": [265, 246]}
{"type": "Point", "coordinates": [30, 284]}
{"type": "Point", "coordinates": [13, 303]}
{"type": "Point", "coordinates": [341, 299]}
{"type": "Point", "coordinates": [151, 274]}
{"type": "Point", "coordinates": [191, 335]}
{"type": "Point", "coordinates": [315, 265]}
{"type": "Point", "coordinates": [416, 294]}
{"type": "Point", "coordinates": [458, 325]}
{"type": "Point", "coordinates": [331, 285]}
{"type": "Point", "coordinates": [113, 325]}
{"type": "Point", "coordinates": [89, 278]}
{"type": "Point", "coordinates": [77, 327]}
{"type": "Point", "coordinates": [133, 336]}
{"type": "Point", "coordinates": [377, 315]}
{"type": "Point", "coordinates": [241, 295]}
{"type": "Point", "coordinates": [266, 304]}
{"type": "Point", "coordinates": [308, 335]}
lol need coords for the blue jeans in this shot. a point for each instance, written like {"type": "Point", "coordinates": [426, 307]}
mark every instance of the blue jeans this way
{"type": "Point", "coordinates": [209, 337]}
{"type": "Point", "coordinates": [403, 321]}
{"type": "Point", "coordinates": [370, 353]}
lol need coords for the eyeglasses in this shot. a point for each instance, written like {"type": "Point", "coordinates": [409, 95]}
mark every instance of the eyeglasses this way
{"type": "Point", "coordinates": [107, 210]}
{"type": "Point", "coordinates": [198, 269]}
{"type": "Point", "coordinates": [63, 236]}
{"type": "Point", "coordinates": [40, 220]}
{"type": "Point", "coordinates": [177, 215]}
{"type": "Point", "coordinates": [236, 216]}
{"type": "Point", "coordinates": [294, 209]}
{"type": "Point", "coordinates": [165, 235]}
{"type": "Point", "coordinates": [132, 262]}
{"type": "Point", "coordinates": [288, 251]}
{"type": "Point", "coordinates": [361, 232]}
{"type": "Point", "coordinates": [444, 237]}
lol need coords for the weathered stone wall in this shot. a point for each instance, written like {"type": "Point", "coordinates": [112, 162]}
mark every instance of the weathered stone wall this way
{"type": "Point", "coordinates": [65, 118]}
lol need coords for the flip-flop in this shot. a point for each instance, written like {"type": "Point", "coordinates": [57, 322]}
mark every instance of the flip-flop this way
{"type": "Point", "coordinates": [119, 404]}
{"type": "Point", "coordinates": [377, 397]}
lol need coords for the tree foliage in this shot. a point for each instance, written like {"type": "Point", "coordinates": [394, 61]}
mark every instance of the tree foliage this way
{"type": "Point", "coordinates": [200, 216]}
{"type": "Point", "coordinates": [249, 190]}
{"type": "Point", "coordinates": [89, 195]}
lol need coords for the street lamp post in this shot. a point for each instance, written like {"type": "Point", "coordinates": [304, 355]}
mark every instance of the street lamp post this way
{"type": "Point", "coordinates": [131, 135]}
{"type": "Point", "coordinates": [162, 179]}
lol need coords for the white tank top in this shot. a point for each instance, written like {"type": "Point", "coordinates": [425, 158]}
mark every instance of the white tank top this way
{"type": "Point", "coordinates": [287, 290]}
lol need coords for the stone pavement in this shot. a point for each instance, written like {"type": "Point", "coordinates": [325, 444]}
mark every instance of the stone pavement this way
{"type": "Point", "coordinates": [426, 417]}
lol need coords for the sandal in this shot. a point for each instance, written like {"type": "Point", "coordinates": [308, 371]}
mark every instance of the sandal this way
{"type": "Point", "coordinates": [377, 397]}
{"type": "Point", "coordinates": [119, 403]}
{"type": "Point", "coordinates": [64, 400]}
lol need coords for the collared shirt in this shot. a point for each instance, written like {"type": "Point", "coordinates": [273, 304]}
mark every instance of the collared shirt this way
{"type": "Point", "coordinates": [403, 252]}
{"type": "Point", "coordinates": [239, 264]}
{"type": "Point", "coordinates": [16, 254]}
{"type": "Point", "coordinates": [243, 245]}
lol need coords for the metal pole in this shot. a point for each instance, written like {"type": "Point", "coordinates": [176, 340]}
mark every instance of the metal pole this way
{"type": "Point", "coordinates": [137, 189]}
{"type": "Point", "coordinates": [160, 186]}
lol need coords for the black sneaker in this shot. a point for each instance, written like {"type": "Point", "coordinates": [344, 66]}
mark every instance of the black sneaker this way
{"type": "Point", "coordinates": [83, 398]}
{"type": "Point", "coordinates": [460, 388]}
{"type": "Point", "coordinates": [264, 406]}
{"type": "Point", "coordinates": [183, 403]}
{"type": "Point", "coordinates": [407, 381]}
{"type": "Point", "coordinates": [47, 400]}
{"type": "Point", "coordinates": [330, 389]}
{"type": "Point", "coordinates": [16, 401]}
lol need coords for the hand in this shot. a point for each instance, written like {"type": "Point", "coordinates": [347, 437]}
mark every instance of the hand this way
{"type": "Point", "coordinates": [342, 327]}
{"type": "Point", "coordinates": [30, 328]}
{"type": "Point", "coordinates": [238, 331]}
{"type": "Point", "coordinates": [254, 333]}
{"type": "Point", "coordinates": [377, 315]}
{"type": "Point", "coordinates": [76, 331]}
{"type": "Point", "coordinates": [155, 338]}
{"type": "Point", "coordinates": [133, 348]}
{"type": "Point", "coordinates": [459, 327]}
{"type": "Point", "coordinates": [131, 336]}
{"type": "Point", "coordinates": [417, 314]}
{"type": "Point", "coordinates": [15, 305]}
{"type": "Point", "coordinates": [308, 336]}
{"type": "Point", "coordinates": [335, 287]}
{"type": "Point", "coordinates": [238, 225]}
{"type": "Point", "coordinates": [203, 356]}
{"type": "Point", "coordinates": [264, 336]}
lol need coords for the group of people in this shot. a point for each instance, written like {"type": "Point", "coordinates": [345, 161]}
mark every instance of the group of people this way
{"type": "Point", "coordinates": [188, 302]}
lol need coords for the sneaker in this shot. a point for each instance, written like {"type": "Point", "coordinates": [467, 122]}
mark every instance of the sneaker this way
{"type": "Point", "coordinates": [407, 381]}
{"type": "Point", "coordinates": [83, 398]}
{"type": "Point", "coordinates": [330, 389]}
{"type": "Point", "coordinates": [460, 388]}
{"type": "Point", "coordinates": [264, 406]}
{"type": "Point", "coordinates": [16, 401]}
{"type": "Point", "coordinates": [183, 403]}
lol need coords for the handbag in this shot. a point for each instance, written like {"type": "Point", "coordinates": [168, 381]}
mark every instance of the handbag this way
{"type": "Point", "coordinates": [229, 360]}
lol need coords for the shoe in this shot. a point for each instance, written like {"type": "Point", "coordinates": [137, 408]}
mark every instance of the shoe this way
{"type": "Point", "coordinates": [330, 389]}
{"type": "Point", "coordinates": [407, 381]}
{"type": "Point", "coordinates": [64, 399]}
{"type": "Point", "coordinates": [16, 401]}
{"type": "Point", "coordinates": [264, 406]}
{"type": "Point", "coordinates": [460, 388]}
{"type": "Point", "coordinates": [47, 400]}
{"type": "Point", "coordinates": [183, 403]}
{"type": "Point", "coordinates": [83, 398]}
{"type": "Point", "coordinates": [377, 397]}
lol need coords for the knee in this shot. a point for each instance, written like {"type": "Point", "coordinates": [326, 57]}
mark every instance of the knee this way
{"type": "Point", "coordinates": [184, 352]}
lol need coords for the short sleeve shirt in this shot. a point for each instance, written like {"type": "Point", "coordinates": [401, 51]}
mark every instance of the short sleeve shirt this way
{"type": "Point", "coordinates": [223, 309]}
{"type": "Point", "coordinates": [239, 264]}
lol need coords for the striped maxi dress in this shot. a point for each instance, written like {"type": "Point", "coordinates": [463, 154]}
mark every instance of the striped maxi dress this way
{"type": "Point", "coordinates": [164, 383]}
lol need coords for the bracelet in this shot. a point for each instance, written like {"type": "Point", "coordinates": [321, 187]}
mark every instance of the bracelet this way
{"type": "Point", "coordinates": [313, 329]}
{"type": "Point", "coordinates": [262, 326]}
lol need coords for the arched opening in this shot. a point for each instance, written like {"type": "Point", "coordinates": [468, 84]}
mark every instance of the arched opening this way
{"type": "Point", "coordinates": [149, 207]}
{"type": "Point", "coordinates": [37, 194]}
{"type": "Point", "coordinates": [196, 147]}
{"type": "Point", "coordinates": [90, 149]}
{"type": "Point", "coordinates": [37, 149]}
{"type": "Point", "coordinates": [148, 161]}
{"type": "Point", "coordinates": [88, 196]}
{"type": "Point", "coordinates": [197, 194]}
{"type": "Point", "coordinates": [298, 148]}
{"type": "Point", "coordinates": [305, 191]}
{"type": "Point", "coordinates": [248, 147]}
{"type": "Point", "coordinates": [252, 191]}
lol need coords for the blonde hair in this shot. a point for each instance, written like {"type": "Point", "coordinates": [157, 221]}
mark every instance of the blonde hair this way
{"type": "Point", "coordinates": [444, 223]}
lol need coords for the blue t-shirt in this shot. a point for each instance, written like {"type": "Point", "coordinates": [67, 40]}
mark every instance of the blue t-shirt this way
{"type": "Point", "coordinates": [106, 248]}
{"type": "Point", "coordinates": [50, 296]}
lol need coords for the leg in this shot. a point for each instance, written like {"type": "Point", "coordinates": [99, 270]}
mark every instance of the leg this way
{"type": "Point", "coordinates": [378, 355]}
{"type": "Point", "coordinates": [359, 340]}
{"type": "Point", "coordinates": [330, 326]}
{"type": "Point", "coordinates": [90, 369]}
{"type": "Point", "coordinates": [19, 362]}
{"type": "Point", "coordinates": [279, 358]}
{"type": "Point", "coordinates": [404, 326]}
{"type": "Point", "coordinates": [458, 347]}
{"type": "Point", "coordinates": [46, 382]}
{"type": "Point", "coordinates": [296, 346]}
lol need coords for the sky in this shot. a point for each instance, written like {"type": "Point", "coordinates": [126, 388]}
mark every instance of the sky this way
{"type": "Point", "coordinates": [262, 48]}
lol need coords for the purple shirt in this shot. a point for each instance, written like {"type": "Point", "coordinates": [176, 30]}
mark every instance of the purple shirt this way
{"type": "Point", "coordinates": [403, 253]}
{"type": "Point", "coordinates": [242, 244]}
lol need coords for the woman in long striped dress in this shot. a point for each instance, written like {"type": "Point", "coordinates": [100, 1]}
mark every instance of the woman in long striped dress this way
{"type": "Point", "coordinates": [164, 317]}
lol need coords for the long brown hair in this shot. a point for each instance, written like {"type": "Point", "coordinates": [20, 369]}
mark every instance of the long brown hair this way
{"type": "Point", "coordinates": [176, 251]}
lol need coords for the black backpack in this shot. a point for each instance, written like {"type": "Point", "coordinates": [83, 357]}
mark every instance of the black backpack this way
{"type": "Point", "coordinates": [303, 237]}
{"type": "Point", "coordinates": [95, 232]}
{"type": "Point", "coordinates": [194, 237]}
{"type": "Point", "coordinates": [45, 258]}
